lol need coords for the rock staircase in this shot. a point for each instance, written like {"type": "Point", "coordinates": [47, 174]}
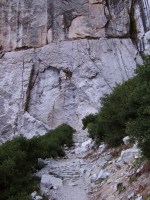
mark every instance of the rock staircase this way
{"type": "Point", "coordinates": [65, 173]}
{"type": "Point", "coordinates": [62, 179]}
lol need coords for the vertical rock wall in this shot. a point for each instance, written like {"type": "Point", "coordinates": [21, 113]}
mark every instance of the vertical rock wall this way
{"type": "Point", "coordinates": [61, 82]}
{"type": "Point", "coordinates": [57, 58]}
{"type": "Point", "coordinates": [142, 22]}
{"type": "Point", "coordinates": [25, 24]}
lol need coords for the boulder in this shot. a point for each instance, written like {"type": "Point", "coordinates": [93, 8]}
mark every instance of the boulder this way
{"type": "Point", "coordinates": [35, 196]}
{"type": "Point", "coordinates": [46, 181]}
{"type": "Point", "coordinates": [84, 146]}
{"type": "Point", "coordinates": [139, 197]}
{"type": "Point", "coordinates": [127, 156]}
{"type": "Point", "coordinates": [93, 178]}
{"type": "Point", "coordinates": [131, 195]}
{"type": "Point", "coordinates": [38, 198]}
{"type": "Point", "coordinates": [50, 181]}
{"type": "Point", "coordinates": [126, 140]}
{"type": "Point", "coordinates": [102, 175]}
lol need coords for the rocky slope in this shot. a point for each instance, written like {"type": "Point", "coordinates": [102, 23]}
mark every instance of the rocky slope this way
{"type": "Point", "coordinates": [101, 174]}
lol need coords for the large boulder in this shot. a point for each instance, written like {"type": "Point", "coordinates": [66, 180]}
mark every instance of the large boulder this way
{"type": "Point", "coordinates": [128, 156]}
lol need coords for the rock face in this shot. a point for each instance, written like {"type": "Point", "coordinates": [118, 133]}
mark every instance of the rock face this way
{"type": "Point", "coordinates": [64, 55]}
{"type": "Point", "coordinates": [26, 24]}
{"type": "Point", "coordinates": [119, 18]}
{"type": "Point", "coordinates": [61, 83]}
{"type": "Point", "coordinates": [142, 19]}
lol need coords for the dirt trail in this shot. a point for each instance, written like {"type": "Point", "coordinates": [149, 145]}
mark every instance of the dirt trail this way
{"type": "Point", "coordinates": [66, 178]}
{"type": "Point", "coordinates": [75, 177]}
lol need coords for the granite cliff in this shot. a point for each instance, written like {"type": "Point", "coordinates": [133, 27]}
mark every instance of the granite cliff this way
{"type": "Point", "coordinates": [57, 58]}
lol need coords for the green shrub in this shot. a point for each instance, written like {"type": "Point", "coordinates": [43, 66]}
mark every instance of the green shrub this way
{"type": "Point", "coordinates": [52, 142]}
{"type": "Point", "coordinates": [110, 122]}
{"type": "Point", "coordinates": [19, 160]}
{"type": "Point", "coordinates": [15, 169]}
{"type": "Point", "coordinates": [139, 127]}
{"type": "Point", "coordinates": [21, 196]}
{"type": "Point", "coordinates": [88, 119]}
{"type": "Point", "coordinates": [126, 111]}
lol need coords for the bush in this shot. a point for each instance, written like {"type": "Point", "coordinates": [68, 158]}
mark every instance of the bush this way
{"type": "Point", "coordinates": [19, 159]}
{"type": "Point", "coordinates": [15, 169]}
{"type": "Point", "coordinates": [139, 127]}
{"type": "Point", "coordinates": [88, 119]}
{"type": "Point", "coordinates": [52, 142]}
{"type": "Point", "coordinates": [110, 123]}
{"type": "Point", "coordinates": [126, 111]}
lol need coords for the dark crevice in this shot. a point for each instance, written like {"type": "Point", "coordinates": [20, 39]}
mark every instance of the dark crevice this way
{"type": "Point", "coordinates": [18, 21]}
{"type": "Point", "coordinates": [1, 52]}
{"type": "Point", "coordinates": [22, 48]}
{"type": "Point", "coordinates": [133, 26]}
{"type": "Point", "coordinates": [50, 17]}
{"type": "Point", "coordinates": [68, 73]}
{"type": "Point", "coordinates": [127, 36]}
{"type": "Point", "coordinates": [28, 90]}
{"type": "Point", "coordinates": [68, 16]}
{"type": "Point", "coordinates": [50, 14]}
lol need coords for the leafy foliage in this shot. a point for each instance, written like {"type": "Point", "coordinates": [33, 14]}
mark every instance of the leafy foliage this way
{"type": "Point", "coordinates": [89, 119]}
{"type": "Point", "coordinates": [126, 111]}
{"type": "Point", "coordinates": [19, 159]}
{"type": "Point", "coordinates": [53, 141]}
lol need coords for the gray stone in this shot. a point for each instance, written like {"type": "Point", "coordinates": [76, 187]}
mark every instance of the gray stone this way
{"type": "Point", "coordinates": [131, 195]}
{"type": "Point", "coordinates": [102, 175]}
{"type": "Point", "coordinates": [104, 196]}
{"type": "Point", "coordinates": [118, 166]}
{"type": "Point", "coordinates": [142, 16]}
{"type": "Point", "coordinates": [38, 198]}
{"type": "Point", "coordinates": [46, 181]}
{"type": "Point", "coordinates": [126, 140]}
{"type": "Point", "coordinates": [33, 195]}
{"type": "Point", "coordinates": [27, 24]}
{"type": "Point", "coordinates": [41, 161]}
{"type": "Point", "coordinates": [61, 83]}
{"type": "Point", "coordinates": [84, 146]}
{"type": "Point", "coordinates": [92, 25]}
{"type": "Point", "coordinates": [119, 18]}
{"type": "Point", "coordinates": [73, 184]}
{"type": "Point", "coordinates": [93, 178]}
{"type": "Point", "coordinates": [128, 155]}
{"type": "Point", "coordinates": [139, 197]}
{"type": "Point", "coordinates": [82, 170]}
{"type": "Point", "coordinates": [50, 181]}
{"type": "Point", "coordinates": [102, 148]}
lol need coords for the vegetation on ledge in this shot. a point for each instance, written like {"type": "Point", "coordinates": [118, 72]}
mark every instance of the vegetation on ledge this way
{"type": "Point", "coordinates": [126, 111]}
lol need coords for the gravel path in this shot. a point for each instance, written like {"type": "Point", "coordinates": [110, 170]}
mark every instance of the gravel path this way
{"type": "Point", "coordinates": [87, 174]}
